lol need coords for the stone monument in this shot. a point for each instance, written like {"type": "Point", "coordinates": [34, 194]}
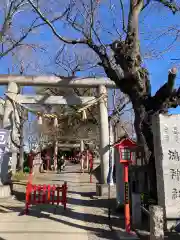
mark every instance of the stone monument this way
{"type": "Point", "coordinates": [166, 131]}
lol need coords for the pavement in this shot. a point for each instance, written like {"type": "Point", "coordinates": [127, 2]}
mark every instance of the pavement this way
{"type": "Point", "coordinates": [85, 218]}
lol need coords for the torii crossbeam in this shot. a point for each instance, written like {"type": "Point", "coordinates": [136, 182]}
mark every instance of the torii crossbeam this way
{"type": "Point", "coordinates": [53, 81]}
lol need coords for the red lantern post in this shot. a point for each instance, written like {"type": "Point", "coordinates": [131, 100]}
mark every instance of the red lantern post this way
{"type": "Point", "coordinates": [125, 148]}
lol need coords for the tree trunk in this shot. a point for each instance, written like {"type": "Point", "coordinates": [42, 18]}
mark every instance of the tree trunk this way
{"type": "Point", "coordinates": [21, 147]}
{"type": "Point", "coordinates": [148, 134]}
{"type": "Point", "coordinates": [142, 124]}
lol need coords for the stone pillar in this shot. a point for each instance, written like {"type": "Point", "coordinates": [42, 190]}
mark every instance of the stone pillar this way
{"type": "Point", "coordinates": [136, 210]}
{"type": "Point", "coordinates": [104, 134]}
{"type": "Point", "coordinates": [119, 179]}
{"type": "Point", "coordinates": [55, 154]}
{"type": "Point", "coordinates": [21, 150]}
{"type": "Point", "coordinates": [156, 223]}
{"type": "Point", "coordinates": [55, 144]}
{"type": "Point", "coordinates": [1, 112]}
{"type": "Point", "coordinates": [111, 156]}
{"type": "Point", "coordinates": [81, 146]}
{"type": "Point", "coordinates": [11, 121]}
{"type": "Point", "coordinates": [39, 120]}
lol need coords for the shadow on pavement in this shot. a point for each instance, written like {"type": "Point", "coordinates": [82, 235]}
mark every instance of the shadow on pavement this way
{"type": "Point", "coordinates": [92, 219]}
{"type": "Point", "coordinates": [56, 180]}
{"type": "Point", "coordinates": [52, 209]}
{"type": "Point", "coordinates": [83, 194]}
{"type": "Point", "coordinates": [36, 211]}
{"type": "Point", "coordinates": [90, 202]}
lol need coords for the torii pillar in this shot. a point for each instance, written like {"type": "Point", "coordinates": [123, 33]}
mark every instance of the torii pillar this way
{"type": "Point", "coordinates": [11, 121]}
{"type": "Point", "coordinates": [104, 134]}
{"type": "Point", "coordinates": [81, 146]}
{"type": "Point", "coordinates": [55, 145]}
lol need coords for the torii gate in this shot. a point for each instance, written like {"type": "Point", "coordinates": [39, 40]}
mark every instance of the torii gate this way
{"type": "Point", "coordinates": [13, 81]}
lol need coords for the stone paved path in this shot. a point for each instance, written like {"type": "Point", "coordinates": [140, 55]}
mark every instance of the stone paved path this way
{"type": "Point", "coordinates": [85, 217]}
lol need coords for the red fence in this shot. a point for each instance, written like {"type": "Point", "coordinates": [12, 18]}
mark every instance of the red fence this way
{"type": "Point", "coordinates": [45, 194]}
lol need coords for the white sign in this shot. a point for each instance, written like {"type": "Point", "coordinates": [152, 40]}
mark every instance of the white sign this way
{"type": "Point", "coordinates": [166, 131]}
{"type": "Point", "coordinates": [4, 134]}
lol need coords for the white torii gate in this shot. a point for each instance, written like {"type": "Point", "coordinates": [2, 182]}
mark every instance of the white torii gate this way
{"type": "Point", "coordinates": [66, 82]}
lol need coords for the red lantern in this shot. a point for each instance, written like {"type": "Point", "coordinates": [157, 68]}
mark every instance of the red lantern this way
{"type": "Point", "coordinates": [126, 149]}
{"type": "Point", "coordinates": [127, 155]}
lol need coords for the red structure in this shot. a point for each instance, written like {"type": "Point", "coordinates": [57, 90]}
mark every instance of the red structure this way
{"type": "Point", "coordinates": [31, 157]}
{"type": "Point", "coordinates": [45, 194]}
{"type": "Point", "coordinates": [47, 156]}
{"type": "Point", "coordinates": [126, 149]}
{"type": "Point", "coordinates": [30, 161]}
{"type": "Point", "coordinates": [90, 165]}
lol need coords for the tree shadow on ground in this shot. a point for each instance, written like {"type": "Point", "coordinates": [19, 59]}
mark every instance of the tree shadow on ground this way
{"type": "Point", "coordinates": [90, 202]}
{"type": "Point", "coordinates": [65, 172]}
{"type": "Point", "coordinates": [97, 219]}
{"type": "Point", "coordinates": [98, 203]}
{"type": "Point", "coordinates": [84, 194]}
{"type": "Point", "coordinates": [59, 180]}
{"type": "Point", "coordinates": [45, 212]}
{"type": "Point", "coordinates": [116, 219]}
{"type": "Point", "coordinates": [168, 236]}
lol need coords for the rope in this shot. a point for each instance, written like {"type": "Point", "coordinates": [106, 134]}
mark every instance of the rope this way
{"type": "Point", "coordinates": [90, 103]}
{"type": "Point", "coordinates": [83, 109]}
{"type": "Point", "coordinates": [93, 102]}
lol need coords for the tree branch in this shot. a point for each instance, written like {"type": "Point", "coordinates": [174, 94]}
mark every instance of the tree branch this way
{"type": "Point", "coordinates": [123, 17]}
{"type": "Point", "coordinates": [132, 37]}
{"type": "Point", "coordinates": [171, 5]}
{"type": "Point", "coordinates": [146, 4]}
{"type": "Point", "coordinates": [162, 97]}
{"type": "Point", "coordinates": [65, 40]}
{"type": "Point", "coordinates": [167, 88]}
{"type": "Point", "coordinates": [17, 43]}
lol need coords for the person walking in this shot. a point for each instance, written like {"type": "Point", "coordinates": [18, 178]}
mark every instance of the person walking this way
{"type": "Point", "coordinates": [90, 158]}
{"type": "Point", "coordinates": [60, 162]}
{"type": "Point", "coordinates": [63, 161]}
{"type": "Point", "coordinates": [44, 162]}
{"type": "Point", "coordinates": [82, 160]}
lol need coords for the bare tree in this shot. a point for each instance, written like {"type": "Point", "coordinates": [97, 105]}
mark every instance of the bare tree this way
{"type": "Point", "coordinates": [15, 30]}
{"type": "Point", "coordinates": [119, 55]}
{"type": "Point", "coordinates": [10, 38]}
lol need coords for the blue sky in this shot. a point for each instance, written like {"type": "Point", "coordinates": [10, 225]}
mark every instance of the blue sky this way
{"type": "Point", "coordinates": [154, 20]}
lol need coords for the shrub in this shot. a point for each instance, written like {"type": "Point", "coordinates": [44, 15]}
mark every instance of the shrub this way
{"type": "Point", "coordinates": [18, 176]}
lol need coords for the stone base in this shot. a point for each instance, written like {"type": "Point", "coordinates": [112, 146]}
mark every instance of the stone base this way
{"type": "Point", "coordinates": [101, 189]}
{"type": "Point", "coordinates": [96, 172]}
{"type": "Point", "coordinates": [128, 236]}
{"type": "Point", "coordinates": [37, 168]}
{"type": "Point", "coordinates": [5, 191]}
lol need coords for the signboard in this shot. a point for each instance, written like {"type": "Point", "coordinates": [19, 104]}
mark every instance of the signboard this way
{"type": "Point", "coordinates": [1, 156]}
{"type": "Point", "coordinates": [126, 192]}
{"type": "Point", "coordinates": [4, 135]}
{"type": "Point", "coordinates": [166, 132]}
